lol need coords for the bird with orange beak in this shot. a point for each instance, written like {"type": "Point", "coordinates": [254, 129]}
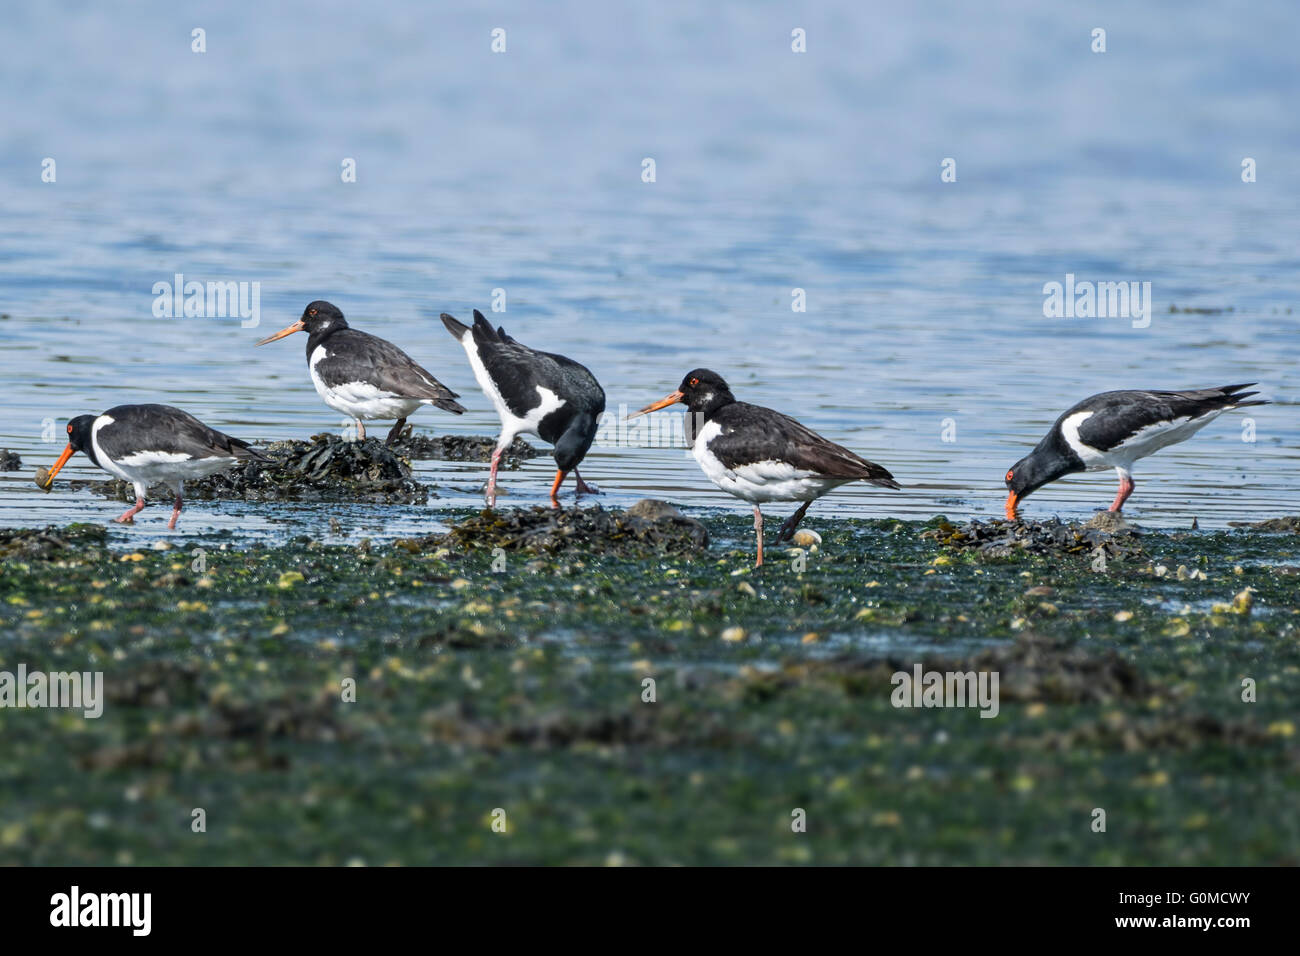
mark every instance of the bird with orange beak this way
{"type": "Point", "coordinates": [1114, 430]}
{"type": "Point", "coordinates": [150, 444]}
{"type": "Point", "coordinates": [761, 455]}
{"type": "Point", "coordinates": [362, 375]}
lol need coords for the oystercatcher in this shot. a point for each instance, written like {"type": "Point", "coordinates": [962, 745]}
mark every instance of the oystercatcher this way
{"type": "Point", "coordinates": [1115, 429]}
{"type": "Point", "coordinates": [147, 444]}
{"type": "Point", "coordinates": [759, 454]}
{"type": "Point", "coordinates": [362, 375]}
{"type": "Point", "coordinates": [535, 393]}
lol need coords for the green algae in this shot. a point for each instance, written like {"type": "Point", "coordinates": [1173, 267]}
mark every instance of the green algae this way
{"type": "Point", "coordinates": [517, 684]}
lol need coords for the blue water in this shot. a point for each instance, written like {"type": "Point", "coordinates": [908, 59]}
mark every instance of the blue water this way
{"type": "Point", "coordinates": [775, 170]}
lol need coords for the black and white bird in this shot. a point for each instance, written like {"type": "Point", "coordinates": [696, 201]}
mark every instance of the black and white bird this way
{"type": "Point", "coordinates": [151, 444]}
{"type": "Point", "coordinates": [1115, 429]}
{"type": "Point", "coordinates": [534, 393]}
{"type": "Point", "coordinates": [362, 375]}
{"type": "Point", "coordinates": [761, 455]}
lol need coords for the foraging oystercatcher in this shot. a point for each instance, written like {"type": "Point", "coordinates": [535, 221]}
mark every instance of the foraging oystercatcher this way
{"type": "Point", "coordinates": [362, 375]}
{"type": "Point", "coordinates": [535, 393]}
{"type": "Point", "coordinates": [761, 455]}
{"type": "Point", "coordinates": [147, 444]}
{"type": "Point", "coordinates": [1115, 429]}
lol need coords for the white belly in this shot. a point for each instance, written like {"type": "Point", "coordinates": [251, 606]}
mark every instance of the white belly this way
{"type": "Point", "coordinates": [146, 468]}
{"type": "Point", "coordinates": [1145, 441]}
{"type": "Point", "coordinates": [361, 399]}
{"type": "Point", "coordinates": [760, 481]}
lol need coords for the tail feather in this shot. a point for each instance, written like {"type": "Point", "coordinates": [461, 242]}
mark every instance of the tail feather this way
{"type": "Point", "coordinates": [457, 329]}
{"type": "Point", "coordinates": [447, 405]}
{"type": "Point", "coordinates": [243, 449]}
{"type": "Point", "coordinates": [1235, 395]}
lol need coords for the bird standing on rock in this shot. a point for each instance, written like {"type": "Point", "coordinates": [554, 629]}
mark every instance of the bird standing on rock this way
{"type": "Point", "coordinates": [534, 393]}
{"type": "Point", "coordinates": [362, 375]}
{"type": "Point", "coordinates": [1115, 429]}
{"type": "Point", "coordinates": [761, 455]}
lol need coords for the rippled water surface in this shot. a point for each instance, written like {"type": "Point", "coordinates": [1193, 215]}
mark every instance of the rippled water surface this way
{"type": "Point", "coordinates": [924, 345]}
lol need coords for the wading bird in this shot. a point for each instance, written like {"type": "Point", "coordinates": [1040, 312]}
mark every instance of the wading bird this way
{"type": "Point", "coordinates": [362, 375]}
{"type": "Point", "coordinates": [761, 455]}
{"type": "Point", "coordinates": [147, 444]}
{"type": "Point", "coordinates": [1115, 429]}
{"type": "Point", "coordinates": [534, 393]}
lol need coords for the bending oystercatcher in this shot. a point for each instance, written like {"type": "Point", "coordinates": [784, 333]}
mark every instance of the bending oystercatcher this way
{"type": "Point", "coordinates": [362, 375]}
{"type": "Point", "coordinates": [535, 393]}
{"type": "Point", "coordinates": [147, 444]}
{"type": "Point", "coordinates": [759, 454]}
{"type": "Point", "coordinates": [1115, 429]}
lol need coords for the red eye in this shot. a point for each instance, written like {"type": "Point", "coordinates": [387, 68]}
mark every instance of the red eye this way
{"type": "Point", "coordinates": [69, 429]}
{"type": "Point", "coordinates": [311, 311]}
{"type": "Point", "coordinates": [694, 382]}
{"type": "Point", "coordinates": [1009, 475]}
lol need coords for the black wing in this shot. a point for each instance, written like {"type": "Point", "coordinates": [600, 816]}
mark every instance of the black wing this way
{"type": "Point", "coordinates": [1117, 416]}
{"type": "Point", "coordinates": [751, 433]}
{"type": "Point", "coordinates": [164, 428]}
{"type": "Point", "coordinates": [361, 357]}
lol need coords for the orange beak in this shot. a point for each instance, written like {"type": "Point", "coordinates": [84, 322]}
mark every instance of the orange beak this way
{"type": "Point", "coordinates": [296, 327]}
{"type": "Point", "coordinates": [58, 465]}
{"type": "Point", "coordinates": [1013, 501]}
{"type": "Point", "coordinates": [664, 402]}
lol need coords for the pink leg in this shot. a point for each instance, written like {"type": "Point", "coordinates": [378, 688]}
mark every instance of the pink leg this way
{"type": "Point", "coordinates": [176, 513]}
{"type": "Point", "coordinates": [583, 487]}
{"type": "Point", "coordinates": [492, 479]}
{"type": "Point", "coordinates": [128, 516]}
{"type": "Point", "coordinates": [1126, 486]}
{"type": "Point", "coordinates": [361, 430]}
{"type": "Point", "coordinates": [758, 531]}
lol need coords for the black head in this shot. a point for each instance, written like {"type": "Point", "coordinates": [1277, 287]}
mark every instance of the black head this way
{"type": "Point", "coordinates": [573, 445]}
{"type": "Point", "coordinates": [1042, 465]}
{"type": "Point", "coordinates": [703, 391]}
{"type": "Point", "coordinates": [79, 432]}
{"type": "Point", "coordinates": [320, 318]}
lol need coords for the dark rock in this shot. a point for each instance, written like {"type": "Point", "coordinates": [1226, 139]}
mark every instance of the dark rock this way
{"type": "Point", "coordinates": [1290, 523]}
{"type": "Point", "coordinates": [1104, 535]}
{"type": "Point", "coordinates": [648, 526]}
{"type": "Point", "coordinates": [463, 448]}
{"type": "Point", "coordinates": [9, 460]}
{"type": "Point", "coordinates": [79, 542]}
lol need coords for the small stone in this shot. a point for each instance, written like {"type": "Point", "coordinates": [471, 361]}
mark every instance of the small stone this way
{"type": "Point", "coordinates": [806, 538]}
{"type": "Point", "coordinates": [733, 634]}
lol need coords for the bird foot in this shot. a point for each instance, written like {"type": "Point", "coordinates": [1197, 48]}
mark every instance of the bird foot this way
{"type": "Point", "coordinates": [586, 489]}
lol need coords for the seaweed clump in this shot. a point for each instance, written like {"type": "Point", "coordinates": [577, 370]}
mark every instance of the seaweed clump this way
{"type": "Point", "coordinates": [1105, 535]}
{"type": "Point", "coordinates": [647, 526]}
{"type": "Point", "coordinates": [326, 468]}
{"type": "Point", "coordinates": [77, 543]}
{"type": "Point", "coordinates": [9, 460]}
{"type": "Point", "coordinates": [1289, 523]}
{"type": "Point", "coordinates": [462, 448]}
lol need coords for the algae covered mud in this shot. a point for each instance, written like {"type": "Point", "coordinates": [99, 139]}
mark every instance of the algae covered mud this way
{"type": "Point", "coordinates": [620, 688]}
